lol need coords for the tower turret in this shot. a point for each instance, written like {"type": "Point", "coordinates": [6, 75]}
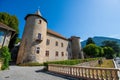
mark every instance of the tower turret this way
{"type": "Point", "coordinates": [33, 45]}
{"type": "Point", "coordinates": [76, 48]}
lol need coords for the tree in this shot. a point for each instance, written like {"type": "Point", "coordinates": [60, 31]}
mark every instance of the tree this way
{"type": "Point", "coordinates": [113, 44]}
{"type": "Point", "coordinates": [92, 50]}
{"type": "Point", "coordinates": [90, 41]}
{"type": "Point", "coordinates": [109, 52]}
{"type": "Point", "coordinates": [11, 21]}
{"type": "Point", "coordinates": [5, 54]}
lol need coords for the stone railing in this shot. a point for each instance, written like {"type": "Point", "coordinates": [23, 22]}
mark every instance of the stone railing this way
{"type": "Point", "coordinates": [88, 73]}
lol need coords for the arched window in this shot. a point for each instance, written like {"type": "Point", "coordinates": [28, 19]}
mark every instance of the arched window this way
{"type": "Point", "coordinates": [39, 36]}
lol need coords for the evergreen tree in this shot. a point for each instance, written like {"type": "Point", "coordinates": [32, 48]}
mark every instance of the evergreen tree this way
{"type": "Point", "coordinates": [90, 41]}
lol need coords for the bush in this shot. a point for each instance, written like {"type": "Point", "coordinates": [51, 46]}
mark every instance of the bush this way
{"type": "Point", "coordinates": [31, 64]}
{"type": "Point", "coordinates": [5, 54]}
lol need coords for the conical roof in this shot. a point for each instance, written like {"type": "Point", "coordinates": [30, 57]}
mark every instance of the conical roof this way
{"type": "Point", "coordinates": [38, 12]}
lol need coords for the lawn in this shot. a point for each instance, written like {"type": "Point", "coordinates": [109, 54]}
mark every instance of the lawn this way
{"type": "Point", "coordinates": [106, 64]}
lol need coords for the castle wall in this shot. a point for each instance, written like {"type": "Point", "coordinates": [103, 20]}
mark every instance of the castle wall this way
{"type": "Point", "coordinates": [63, 51]}
{"type": "Point", "coordinates": [76, 48]}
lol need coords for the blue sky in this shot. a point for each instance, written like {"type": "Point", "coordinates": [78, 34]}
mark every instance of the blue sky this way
{"type": "Point", "coordinates": [83, 18]}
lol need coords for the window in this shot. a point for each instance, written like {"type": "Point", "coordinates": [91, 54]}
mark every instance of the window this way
{"type": "Point", "coordinates": [56, 54]}
{"type": "Point", "coordinates": [62, 53]}
{"type": "Point", "coordinates": [40, 21]}
{"type": "Point", "coordinates": [48, 42]}
{"type": "Point", "coordinates": [38, 50]}
{"type": "Point", "coordinates": [39, 36]}
{"type": "Point", "coordinates": [61, 44]}
{"type": "Point", "coordinates": [47, 54]}
{"type": "Point", "coordinates": [56, 43]}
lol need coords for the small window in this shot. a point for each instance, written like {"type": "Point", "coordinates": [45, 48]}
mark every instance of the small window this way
{"type": "Point", "coordinates": [40, 21]}
{"type": "Point", "coordinates": [38, 50]}
{"type": "Point", "coordinates": [39, 36]}
{"type": "Point", "coordinates": [48, 42]}
{"type": "Point", "coordinates": [56, 54]}
{"type": "Point", "coordinates": [47, 54]}
{"type": "Point", "coordinates": [62, 53]}
{"type": "Point", "coordinates": [61, 44]}
{"type": "Point", "coordinates": [56, 43]}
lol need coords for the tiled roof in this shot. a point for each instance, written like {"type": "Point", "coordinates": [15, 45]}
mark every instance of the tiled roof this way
{"type": "Point", "coordinates": [6, 27]}
{"type": "Point", "coordinates": [56, 34]}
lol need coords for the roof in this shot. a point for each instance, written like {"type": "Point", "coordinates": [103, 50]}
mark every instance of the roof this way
{"type": "Point", "coordinates": [6, 27]}
{"type": "Point", "coordinates": [38, 12]}
{"type": "Point", "coordinates": [56, 34]}
{"type": "Point", "coordinates": [35, 15]}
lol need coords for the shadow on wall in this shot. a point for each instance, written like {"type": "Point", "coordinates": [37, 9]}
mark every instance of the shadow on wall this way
{"type": "Point", "coordinates": [57, 75]}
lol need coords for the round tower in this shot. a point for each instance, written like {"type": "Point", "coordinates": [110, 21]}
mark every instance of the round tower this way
{"type": "Point", "coordinates": [76, 48]}
{"type": "Point", "coordinates": [33, 45]}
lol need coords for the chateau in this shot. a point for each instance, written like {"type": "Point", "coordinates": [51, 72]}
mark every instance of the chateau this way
{"type": "Point", "coordinates": [40, 44]}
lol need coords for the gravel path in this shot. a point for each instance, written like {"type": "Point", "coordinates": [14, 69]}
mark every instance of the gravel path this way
{"type": "Point", "coordinates": [30, 73]}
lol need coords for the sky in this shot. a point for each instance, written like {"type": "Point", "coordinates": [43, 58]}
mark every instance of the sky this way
{"type": "Point", "coordinates": [82, 18]}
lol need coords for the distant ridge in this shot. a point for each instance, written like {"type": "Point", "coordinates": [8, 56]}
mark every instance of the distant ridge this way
{"type": "Point", "coordinates": [98, 40]}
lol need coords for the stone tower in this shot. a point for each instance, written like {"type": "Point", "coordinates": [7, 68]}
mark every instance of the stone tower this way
{"type": "Point", "coordinates": [76, 48]}
{"type": "Point", "coordinates": [33, 45]}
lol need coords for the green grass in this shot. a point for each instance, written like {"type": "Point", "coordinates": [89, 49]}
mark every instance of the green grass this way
{"type": "Point", "coordinates": [71, 62]}
{"type": "Point", "coordinates": [106, 64]}
{"type": "Point", "coordinates": [64, 62]}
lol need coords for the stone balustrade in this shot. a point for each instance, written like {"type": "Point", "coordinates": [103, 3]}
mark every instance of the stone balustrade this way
{"type": "Point", "coordinates": [88, 73]}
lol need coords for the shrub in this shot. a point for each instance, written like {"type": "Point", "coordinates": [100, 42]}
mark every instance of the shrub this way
{"type": "Point", "coordinates": [5, 54]}
{"type": "Point", "coordinates": [31, 64]}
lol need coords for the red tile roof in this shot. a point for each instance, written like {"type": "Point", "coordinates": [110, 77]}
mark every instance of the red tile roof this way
{"type": "Point", "coordinates": [56, 34]}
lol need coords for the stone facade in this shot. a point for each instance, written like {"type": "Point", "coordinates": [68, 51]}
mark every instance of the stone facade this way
{"type": "Point", "coordinates": [40, 44]}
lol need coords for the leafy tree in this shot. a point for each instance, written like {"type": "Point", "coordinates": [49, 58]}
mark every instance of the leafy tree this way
{"type": "Point", "coordinates": [109, 52]}
{"type": "Point", "coordinates": [90, 41]}
{"type": "Point", "coordinates": [101, 52]}
{"type": "Point", "coordinates": [92, 50]}
{"type": "Point", "coordinates": [113, 44]}
{"type": "Point", "coordinates": [18, 40]}
{"type": "Point", "coordinates": [11, 21]}
{"type": "Point", "coordinates": [5, 54]}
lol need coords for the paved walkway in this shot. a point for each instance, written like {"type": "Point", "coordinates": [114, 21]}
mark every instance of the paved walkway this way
{"type": "Point", "coordinates": [30, 73]}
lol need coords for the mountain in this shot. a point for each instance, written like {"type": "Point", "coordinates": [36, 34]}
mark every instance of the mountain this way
{"type": "Point", "coordinates": [98, 40]}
